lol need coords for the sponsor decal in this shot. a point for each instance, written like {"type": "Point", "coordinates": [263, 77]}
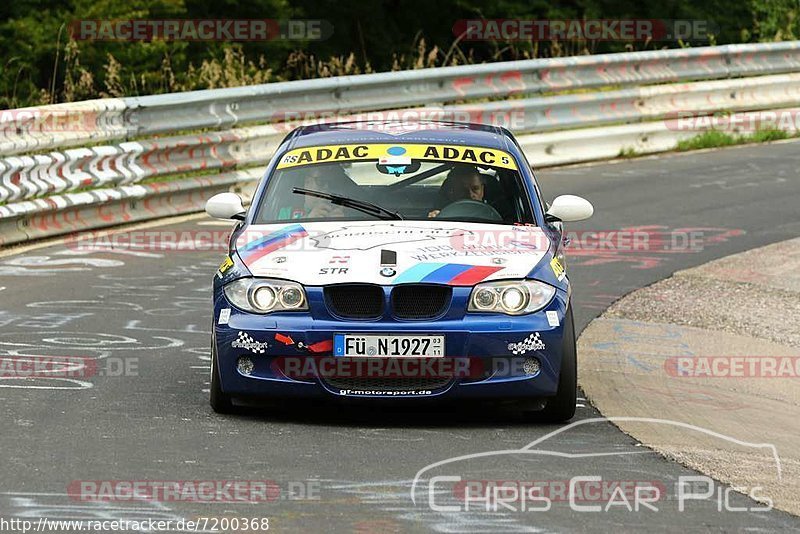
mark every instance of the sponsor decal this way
{"type": "Point", "coordinates": [396, 170]}
{"type": "Point", "coordinates": [261, 246]}
{"type": "Point", "coordinates": [379, 251]}
{"type": "Point", "coordinates": [274, 272]}
{"type": "Point", "coordinates": [531, 343]}
{"type": "Point", "coordinates": [379, 235]}
{"type": "Point", "coordinates": [397, 155]}
{"type": "Point", "coordinates": [245, 341]}
{"type": "Point", "coordinates": [341, 260]}
{"type": "Point", "coordinates": [558, 268]}
{"type": "Point", "coordinates": [453, 274]}
{"type": "Point", "coordinates": [552, 318]}
{"type": "Point", "coordinates": [380, 393]}
{"type": "Point", "coordinates": [333, 270]}
{"type": "Point", "coordinates": [227, 264]}
{"type": "Point", "coordinates": [224, 316]}
{"type": "Point", "coordinates": [388, 258]}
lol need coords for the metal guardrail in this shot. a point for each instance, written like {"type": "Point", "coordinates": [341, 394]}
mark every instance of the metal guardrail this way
{"type": "Point", "coordinates": [740, 78]}
{"type": "Point", "coordinates": [347, 94]}
{"type": "Point", "coordinates": [591, 144]}
{"type": "Point", "coordinates": [26, 177]}
{"type": "Point", "coordinates": [124, 118]}
{"type": "Point", "coordinates": [77, 212]}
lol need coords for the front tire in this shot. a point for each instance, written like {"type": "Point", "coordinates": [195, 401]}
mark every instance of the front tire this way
{"type": "Point", "coordinates": [561, 407]}
{"type": "Point", "coordinates": [219, 400]}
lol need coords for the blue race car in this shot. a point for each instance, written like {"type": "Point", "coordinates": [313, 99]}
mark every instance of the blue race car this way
{"type": "Point", "coordinates": [403, 261]}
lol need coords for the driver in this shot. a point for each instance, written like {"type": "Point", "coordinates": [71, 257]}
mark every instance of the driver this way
{"type": "Point", "coordinates": [463, 182]}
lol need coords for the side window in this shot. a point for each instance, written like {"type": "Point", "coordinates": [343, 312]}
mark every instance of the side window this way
{"type": "Point", "coordinates": [538, 191]}
{"type": "Point", "coordinates": [534, 181]}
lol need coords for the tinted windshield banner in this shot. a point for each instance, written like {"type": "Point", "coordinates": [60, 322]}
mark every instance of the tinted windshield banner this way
{"type": "Point", "coordinates": [386, 154]}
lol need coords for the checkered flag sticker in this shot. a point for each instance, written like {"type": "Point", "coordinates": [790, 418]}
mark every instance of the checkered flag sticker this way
{"type": "Point", "coordinates": [532, 342]}
{"type": "Point", "coordinates": [246, 341]}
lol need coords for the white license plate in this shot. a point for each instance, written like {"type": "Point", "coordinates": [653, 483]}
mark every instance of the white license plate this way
{"type": "Point", "coordinates": [388, 346]}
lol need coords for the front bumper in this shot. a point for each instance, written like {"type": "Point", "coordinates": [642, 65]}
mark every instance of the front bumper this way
{"type": "Point", "coordinates": [292, 356]}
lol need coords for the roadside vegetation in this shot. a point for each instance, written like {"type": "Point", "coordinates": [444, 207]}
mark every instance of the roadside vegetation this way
{"type": "Point", "coordinates": [717, 139]}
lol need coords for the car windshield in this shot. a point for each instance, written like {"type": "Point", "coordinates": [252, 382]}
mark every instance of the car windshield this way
{"type": "Point", "coordinates": [412, 182]}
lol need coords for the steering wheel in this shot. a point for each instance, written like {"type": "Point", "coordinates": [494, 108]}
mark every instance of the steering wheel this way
{"type": "Point", "coordinates": [469, 209]}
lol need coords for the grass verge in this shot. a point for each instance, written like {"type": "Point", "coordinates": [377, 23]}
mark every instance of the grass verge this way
{"type": "Point", "coordinates": [716, 139]}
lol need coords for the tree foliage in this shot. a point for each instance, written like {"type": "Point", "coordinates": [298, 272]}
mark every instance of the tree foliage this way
{"type": "Point", "coordinates": [42, 64]}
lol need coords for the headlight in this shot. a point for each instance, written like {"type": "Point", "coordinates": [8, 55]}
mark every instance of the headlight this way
{"type": "Point", "coordinates": [515, 297]}
{"type": "Point", "coordinates": [264, 295]}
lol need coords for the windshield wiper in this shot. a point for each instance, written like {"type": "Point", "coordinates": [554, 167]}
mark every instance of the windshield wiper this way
{"type": "Point", "coordinates": [360, 205]}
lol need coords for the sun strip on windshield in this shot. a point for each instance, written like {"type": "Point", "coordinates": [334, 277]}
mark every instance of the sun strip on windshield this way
{"type": "Point", "coordinates": [386, 154]}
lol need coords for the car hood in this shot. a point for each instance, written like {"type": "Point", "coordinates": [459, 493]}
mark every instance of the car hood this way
{"type": "Point", "coordinates": [391, 252]}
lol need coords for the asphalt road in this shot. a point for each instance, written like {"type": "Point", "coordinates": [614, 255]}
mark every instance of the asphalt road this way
{"type": "Point", "coordinates": [142, 318]}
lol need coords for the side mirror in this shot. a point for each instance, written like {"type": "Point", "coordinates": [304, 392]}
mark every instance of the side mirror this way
{"type": "Point", "coordinates": [569, 208]}
{"type": "Point", "coordinates": [225, 206]}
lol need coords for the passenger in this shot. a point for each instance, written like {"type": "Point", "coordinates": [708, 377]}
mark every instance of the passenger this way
{"type": "Point", "coordinates": [325, 179]}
